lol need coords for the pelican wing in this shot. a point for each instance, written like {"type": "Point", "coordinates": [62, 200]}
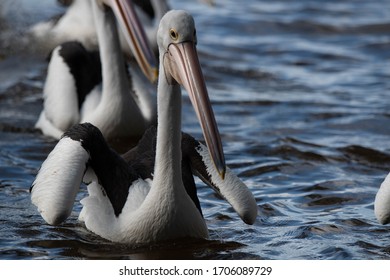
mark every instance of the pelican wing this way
{"type": "Point", "coordinates": [59, 92]}
{"type": "Point", "coordinates": [73, 73]}
{"type": "Point", "coordinates": [58, 181]}
{"type": "Point", "coordinates": [231, 188]}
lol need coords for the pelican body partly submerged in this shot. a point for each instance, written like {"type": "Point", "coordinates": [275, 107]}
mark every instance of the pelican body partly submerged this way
{"type": "Point", "coordinates": [147, 195]}
{"type": "Point", "coordinates": [80, 89]}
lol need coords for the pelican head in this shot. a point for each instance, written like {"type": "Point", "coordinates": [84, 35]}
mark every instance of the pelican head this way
{"type": "Point", "coordinates": [135, 35]}
{"type": "Point", "coordinates": [177, 46]}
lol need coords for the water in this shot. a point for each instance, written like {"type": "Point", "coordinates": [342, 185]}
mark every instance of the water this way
{"type": "Point", "coordinates": [300, 90]}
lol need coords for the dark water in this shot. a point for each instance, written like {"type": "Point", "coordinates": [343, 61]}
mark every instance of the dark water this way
{"type": "Point", "coordinates": [301, 93]}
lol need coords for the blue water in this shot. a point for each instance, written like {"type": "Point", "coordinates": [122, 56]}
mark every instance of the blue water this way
{"type": "Point", "coordinates": [301, 94]}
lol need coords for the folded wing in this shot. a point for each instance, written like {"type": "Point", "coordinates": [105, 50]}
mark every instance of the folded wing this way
{"type": "Point", "coordinates": [58, 181]}
{"type": "Point", "coordinates": [231, 188]}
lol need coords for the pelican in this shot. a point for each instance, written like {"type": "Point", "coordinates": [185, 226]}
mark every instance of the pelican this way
{"type": "Point", "coordinates": [142, 198]}
{"type": "Point", "coordinates": [382, 202]}
{"type": "Point", "coordinates": [77, 24]}
{"type": "Point", "coordinates": [119, 108]}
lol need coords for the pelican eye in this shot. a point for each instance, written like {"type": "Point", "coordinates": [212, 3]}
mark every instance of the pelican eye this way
{"type": "Point", "coordinates": [173, 33]}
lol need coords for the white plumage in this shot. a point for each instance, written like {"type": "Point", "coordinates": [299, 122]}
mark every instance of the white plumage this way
{"type": "Point", "coordinates": [76, 24]}
{"type": "Point", "coordinates": [61, 109]}
{"type": "Point", "coordinates": [231, 188]}
{"type": "Point", "coordinates": [121, 109]}
{"type": "Point", "coordinates": [136, 200]}
{"type": "Point", "coordinates": [58, 181]}
{"type": "Point", "coordinates": [382, 202]}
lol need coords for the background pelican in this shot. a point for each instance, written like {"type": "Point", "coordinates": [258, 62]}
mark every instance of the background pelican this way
{"type": "Point", "coordinates": [382, 202]}
{"type": "Point", "coordinates": [123, 205]}
{"type": "Point", "coordinates": [78, 24]}
{"type": "Point", "coordinates": [119, 108]}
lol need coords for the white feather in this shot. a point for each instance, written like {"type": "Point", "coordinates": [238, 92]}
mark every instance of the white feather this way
{"type": "Point", "coordinates": [47, 127]}
{"type": "Point", "coordinates": [60, 97]}
{"type": "Point", "coordinates": [91, 101]}
{"type": "Point", "coordinates": [231, 188]}
{"type": "Point", "coordinates": [143, 219]}
{"type": "Point", "coordinates": [137, 193]}
{"type": "Point", "coordinates": [58, 181]}
{"type": "Point", "coordinates": [98, 214]}
{"type": "Point", "coordinates": [76, 24]}
{"type": "Point", "coordinates": [382, 202]}
{"type": "Point", "coordinates": [145, 94]}
{"type": "Point", "coordinates": [89, 176]}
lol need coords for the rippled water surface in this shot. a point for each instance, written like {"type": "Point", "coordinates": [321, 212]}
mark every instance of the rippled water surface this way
{"type": "Point", "coordinates": [301, 93]}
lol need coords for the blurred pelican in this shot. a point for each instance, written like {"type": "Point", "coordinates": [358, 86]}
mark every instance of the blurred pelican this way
{"type": "Point", "coordinates": [119, 107]}
{"type": "Point", "coordinates": [382, 202]}
{"type": "Point", "coordinates": [78, 24]}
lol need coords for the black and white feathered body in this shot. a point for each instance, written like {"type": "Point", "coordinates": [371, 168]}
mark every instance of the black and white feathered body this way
{"type": "Point", "coordinates": [78, 88]}
{"type": "Point", "coordinates": [149, 194]}
{"type": "Point", "coordinates": [118, 185]}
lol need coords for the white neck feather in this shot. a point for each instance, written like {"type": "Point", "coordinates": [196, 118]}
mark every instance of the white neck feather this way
{"type": "Point", "coordinates": [113, 66]}
{"type": "Point", "coordinates": [117, 114]}
{"type": "Point", "coordinates": [168, 151]}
